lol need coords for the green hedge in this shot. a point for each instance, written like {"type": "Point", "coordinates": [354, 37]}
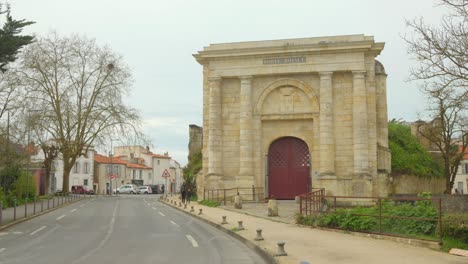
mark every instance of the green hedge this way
{"type": "Point", "coordinates": [209, 203]}
{"type": "Point", "coordinates": [456, 226]}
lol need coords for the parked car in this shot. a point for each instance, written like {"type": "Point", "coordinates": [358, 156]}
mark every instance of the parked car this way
{"type": "Point", "coordinates": [155, 189]}
{"type": "Point", "coordinates": [81, 189]}
{"type": "Point", "coordinates": [145, 189]}
{"type": "Point", "coordinates": [127, 188]}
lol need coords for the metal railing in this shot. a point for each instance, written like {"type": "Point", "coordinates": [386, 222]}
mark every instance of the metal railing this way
{"type": "Point", "coordinates": [316, 203]}
{"type": "Point", "coordinates": [252, 194]}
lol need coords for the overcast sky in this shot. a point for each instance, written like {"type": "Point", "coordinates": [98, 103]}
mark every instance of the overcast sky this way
{"type": "Point", "coordinates": [157, 39]}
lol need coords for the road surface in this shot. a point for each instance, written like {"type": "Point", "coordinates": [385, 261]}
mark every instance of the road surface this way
{"type": "Point", "coordinates": [124, 229]}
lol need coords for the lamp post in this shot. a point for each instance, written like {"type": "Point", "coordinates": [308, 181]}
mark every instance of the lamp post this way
{"type": "Point", "coordinates": [29, 156]}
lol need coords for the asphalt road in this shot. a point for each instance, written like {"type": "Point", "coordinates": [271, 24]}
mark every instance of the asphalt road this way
{"type": "Point", "coordinates": [128, 229]}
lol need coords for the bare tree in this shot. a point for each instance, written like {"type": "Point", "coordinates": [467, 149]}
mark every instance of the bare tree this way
{"type": "Point", "coordinates": [441, 51]}
{"type": "Point", "coordinates": [79, 87]}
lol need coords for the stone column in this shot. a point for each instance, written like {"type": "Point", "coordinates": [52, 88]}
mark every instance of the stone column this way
{"type": "Point", "coordinates": [360, 130]}
{"type": "Point", "coordinates": [215, 129]}
{"type": "Point", "coordinates": [246, 132]}
{"type": "Point", "coordinates": [327, 135]}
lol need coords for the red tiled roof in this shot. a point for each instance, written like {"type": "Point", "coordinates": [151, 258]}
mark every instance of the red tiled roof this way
{"type": "Point", "coordinates": [116, 160]}
{"type": "Point", "coordinates": [465, 156]}
{"type": "Point", "coordinates": [103, 159]}
{"type": "Point", "coordinates": [159, 156]}
{"type": "Point", "coordinates": [138, 166]}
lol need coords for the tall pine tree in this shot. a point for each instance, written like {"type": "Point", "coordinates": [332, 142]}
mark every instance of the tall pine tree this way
{"type": "Point", "coordinates": [10, 39]}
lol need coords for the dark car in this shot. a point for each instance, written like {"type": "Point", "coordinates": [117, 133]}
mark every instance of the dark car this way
{"type": "Point", "coordinates": [155, 189]}
{"type": "Point", "coordinates": [81, 189]}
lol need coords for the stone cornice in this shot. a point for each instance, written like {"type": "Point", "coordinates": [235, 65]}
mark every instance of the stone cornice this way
{"type": "Point", "coordinates": [357, 43]}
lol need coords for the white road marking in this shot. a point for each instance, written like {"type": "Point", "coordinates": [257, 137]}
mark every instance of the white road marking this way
{"type": "Point", "coordinates": [17, 233]}
{"type": "Point", "coordinates": [82, 205]}
{"type": "Point", "coordinates": [192, 240]}
{"type": "Point", "coordinates": [153, 208]}
{"type": "Point", "coordinates": [73, 210]}
{"type": "Point", "coordinates": [161, 213]}
{"type": "Point", "coordinates": [2, 249]}
{"type": "Point", "coordinates": [33, 233]}
{"type": "Point", "coordinates": [174, 223]}
{"type": "Point", "coordinates": [3, 233]}
{"type": "Point", "coordinates": [60, 217]}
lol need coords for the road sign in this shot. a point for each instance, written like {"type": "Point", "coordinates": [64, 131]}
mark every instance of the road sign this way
{"type": "Point", "coordinates": [112, 176]}
{"type": "Point", "coordinates": [166, 174]}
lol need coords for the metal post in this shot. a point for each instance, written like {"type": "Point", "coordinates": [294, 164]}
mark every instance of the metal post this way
{"type": "Point", "coordinates": [26, 208]}
{"type": "Point", "coordinates": [14, 210]}
{"type": "Point", "coordinates": [440, 221]}
{"type": "Point", "coordinates": [1, 208]}
{"type": "Point", "coordinates": [53, 201]}
{"type": "Point", "coordinates": [224, 196]}
{"type": "Point", "coordinates": [34, 210]}
{"type": "Point", "coordinates": [335, 204]}
{"type": "Point", "coordinates": [300, 204]}
{"type": "Point", "coordinates": [48, 203]}
{"type": "Point", "coordinates": [380, 216]}
{"type": "Point", "coordinates": [253, 192]}
{"type": "Point", "coordinates": [42, 205]}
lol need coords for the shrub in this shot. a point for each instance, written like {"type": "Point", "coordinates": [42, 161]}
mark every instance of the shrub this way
{"type": "Point", "coordinates": [456, 226]}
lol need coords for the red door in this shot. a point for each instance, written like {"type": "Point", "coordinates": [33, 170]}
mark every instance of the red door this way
{"type": "Point", "coordinates": [288, 168]}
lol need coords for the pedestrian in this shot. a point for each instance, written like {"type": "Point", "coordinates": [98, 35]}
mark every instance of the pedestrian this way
{"type": "Point", "coordinates": [188, 194]}
{"type": "Point", "coordinates": [183, 192]}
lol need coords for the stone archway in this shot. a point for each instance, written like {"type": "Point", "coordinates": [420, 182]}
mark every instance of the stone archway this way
{"type": "Point", "coordinates": [288, 168]}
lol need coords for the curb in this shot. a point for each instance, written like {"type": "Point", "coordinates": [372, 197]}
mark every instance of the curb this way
{"type": "Point", "coordinates": [24, 219]}
{"type": "Point", "coordinates": [260, 251]}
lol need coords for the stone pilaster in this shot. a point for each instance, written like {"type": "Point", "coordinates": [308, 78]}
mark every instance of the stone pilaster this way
{"type": "Point", "coordinates": [215, 129]}
{"type": "Point", "coordinates": [327, 134]}
{"type": "Point", "coordinates": [246, 133]}
{"type": "Point", "coordinates": [360, 130]}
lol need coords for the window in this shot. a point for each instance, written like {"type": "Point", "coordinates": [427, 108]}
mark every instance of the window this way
{"type": "Point", "coordinates": [86, 167]}
{"type": "Point", "coordinates": [466, 168]}
{"type": "Point", "coordinates": [134, 174]}
{"type": "Point", "coordinates": [158, 162]}
{"type": "Point", "coordinates": [76, 168]}
{"type": "Point", "coordinates": [460, 188]}
{"type": "Point", "coordinates": [150, 175]}
{"type": "Point", "coordinates": [85, 182]}
{"type": "Point", "coordinates": [141, 174]}
{"type": "Point", "coordinates": [132, 155]}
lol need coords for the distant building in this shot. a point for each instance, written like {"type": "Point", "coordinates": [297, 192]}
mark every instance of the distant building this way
{"type": "Point", "coordinates": [461, 180]}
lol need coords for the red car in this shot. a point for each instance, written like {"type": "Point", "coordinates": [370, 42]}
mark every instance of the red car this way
{"type": "Point", "coordinates": [81, 189]}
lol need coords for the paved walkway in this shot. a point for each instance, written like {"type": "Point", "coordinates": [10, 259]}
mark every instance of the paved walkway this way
{"type": "Point", "coordinates": [287, 210]}
{"type": "Point", "coordinates": [324, 247]}
{"type": "Point", "coordinates": [8, 214]}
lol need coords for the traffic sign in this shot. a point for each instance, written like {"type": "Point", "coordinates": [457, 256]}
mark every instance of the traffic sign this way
{"type": "Point", "coordinates": [166, 174]}
{"type": "Point", "coordinates": [112, 176]}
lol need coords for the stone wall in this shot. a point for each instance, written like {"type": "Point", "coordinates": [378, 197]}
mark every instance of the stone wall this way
{"type": "Point", "coordinates": [409, 184]}
{"type": "Point", "coordinates": [195, 140]}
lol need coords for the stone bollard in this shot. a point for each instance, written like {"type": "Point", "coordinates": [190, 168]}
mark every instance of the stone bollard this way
{"type": "Point", "coordinates": [185, 206]}
{"type": "Point", "coordinates": [201, 211]}
{"type": "Point", "coordinates": [224, 222]}
{"type": "Point", "coordinates": [180, 204]}
{"type": "Point", "coordinates": [259, 235]}
{"type": "Point", "coordinates": [238, 202]}
{"type": "Point", "coordinates": [281, 251]}
{"type": "Point", "coordinates": [192, 210]}
{"type": "Point", "coordinates": [297, 199]}
{"type": "Point", "coordinates": [272, 207]}
{"type": "Point", "coordinates": [304, 262]}
{"type": "Point", "coordinates": [240, 227]}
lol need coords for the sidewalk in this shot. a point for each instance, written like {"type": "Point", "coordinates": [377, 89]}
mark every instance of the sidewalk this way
{"type": "Point", "coordinates": [320, 246]}
{"type": "Point", "coordinates": [8, 214]}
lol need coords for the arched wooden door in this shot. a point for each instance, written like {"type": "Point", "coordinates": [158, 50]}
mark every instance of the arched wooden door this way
{"type": "Point", "coordinates": [288, 168]}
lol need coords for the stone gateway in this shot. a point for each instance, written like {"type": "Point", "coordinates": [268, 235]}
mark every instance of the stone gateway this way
{"type": "Point", "coordinates": [291, 115]}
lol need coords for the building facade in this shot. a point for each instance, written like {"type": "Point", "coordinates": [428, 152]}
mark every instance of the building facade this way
{"type": "Point", "coordinates": [289, 115]}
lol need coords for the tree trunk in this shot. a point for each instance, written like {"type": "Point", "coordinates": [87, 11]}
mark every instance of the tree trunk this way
{"type": "Point", "coordinates": [66, 179]}
{"type": "Point", "coordinates": [47, 181]}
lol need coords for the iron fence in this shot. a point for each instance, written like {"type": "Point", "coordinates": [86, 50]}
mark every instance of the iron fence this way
{"type": "Point", "coordinates": [252, 194]}
{"type": "Point", "coordinates": [400, 217]}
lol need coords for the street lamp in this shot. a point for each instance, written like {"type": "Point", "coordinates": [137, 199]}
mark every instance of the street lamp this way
{"type": "Point", "coordinates": [28, 152]}
{"type": "Point", "coordinates": [111, 154]}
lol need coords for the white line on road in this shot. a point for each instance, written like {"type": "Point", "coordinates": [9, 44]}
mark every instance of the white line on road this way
{"type": "Point", "coordinates": [174, 223]}
{"type": "Point", "coordinates": [60, 217]}
{"type": "Point", "coordinates": [192, 240]}
{"type": "Point", "coordinates": [17, 233]}
{"type": "Point", "coordinates": [33, 233]}
{"type": "Point", "coordinates": [73, 210]}
{"type": "Point", "coordinates": [153, 208]}
{"type": "Point", "coordinates": [161, 214]}
{"type": "Point", "coordinates": [2, 249]}
{"type": "Point", "coordinates": [3, 233]}
{"type": "Point", "coordinates": [82, 205]}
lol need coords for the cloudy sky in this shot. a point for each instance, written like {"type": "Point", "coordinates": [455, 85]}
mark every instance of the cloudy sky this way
{"type": "Point", "coordinates": [157, 39]}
